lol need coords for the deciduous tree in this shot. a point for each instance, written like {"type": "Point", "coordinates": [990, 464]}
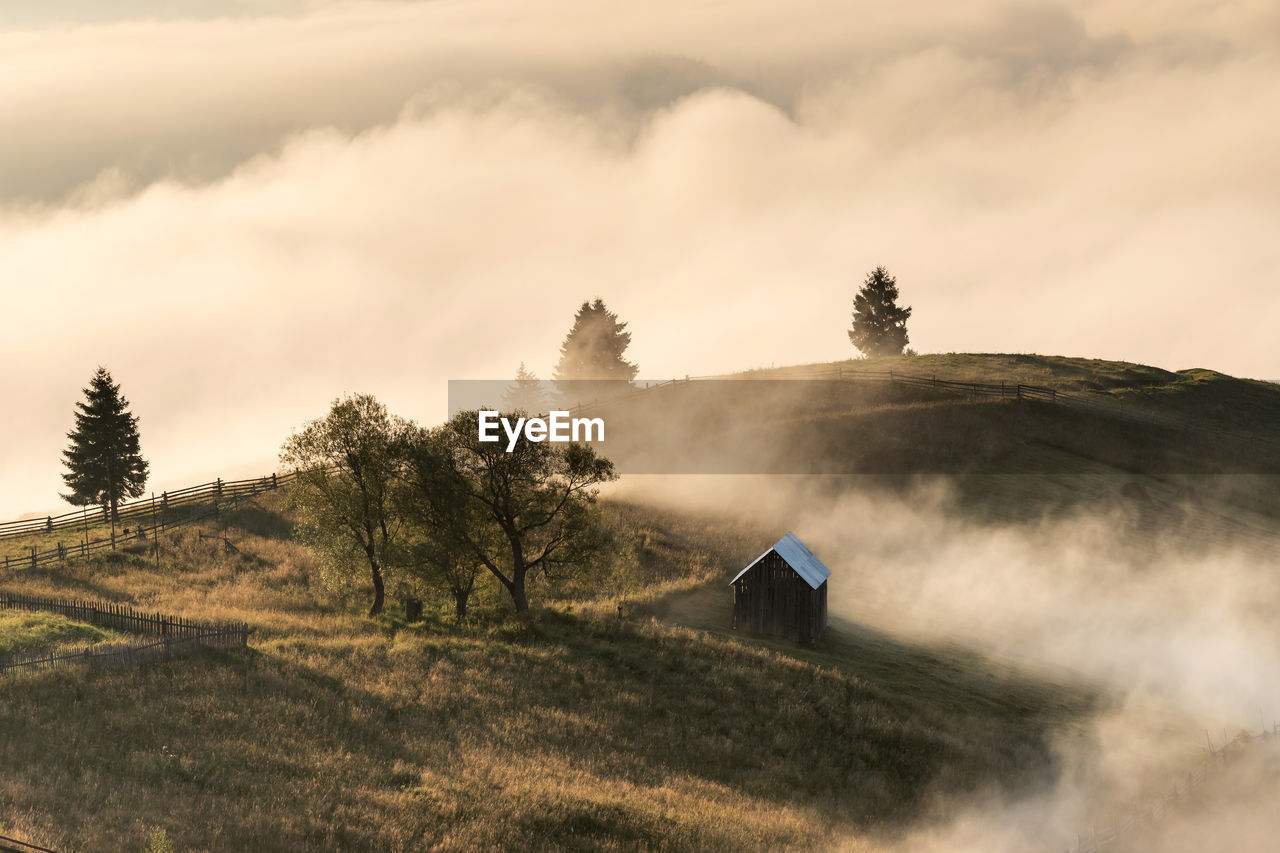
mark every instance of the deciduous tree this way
{"type": "Point", "coordinates": [442, 564]}
{"type": "Point", "coordinates": [347, 464]}
{"type": "Point", "coordinates": [518, 513]}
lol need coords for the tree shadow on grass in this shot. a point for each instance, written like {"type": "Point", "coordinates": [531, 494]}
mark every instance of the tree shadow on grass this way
{"type": "Point", "coordinates": [74, 580]}
{"type": "Point", "coordinates": [259, 521]}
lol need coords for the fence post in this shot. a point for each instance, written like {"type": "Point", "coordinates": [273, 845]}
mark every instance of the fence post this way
{"type": "Point", "coordinates": [48, 524]}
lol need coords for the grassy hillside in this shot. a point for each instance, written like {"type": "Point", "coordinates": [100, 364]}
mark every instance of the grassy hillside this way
{"type": "Point", "coordinates": [1212, 398]}
{"type": "Point", "coordinates": [830, 426]}
{"type": "Point", "coordinates": [1062, 372]}
{"type": "Point", "coordinates": [95, 529]}
{"type": "Point", "coordinates": [624, 713]}
{"type": "Point", "coordinates": [581, 728]}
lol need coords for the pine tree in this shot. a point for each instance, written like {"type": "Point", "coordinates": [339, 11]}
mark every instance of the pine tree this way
{"type": "Point", "coordinates": [594, 346]}
{"type": "Point", "coordinates": [526, 394]}
{"type": "Point", "coordinates": [104, 463]}
{"type": "Point", "coordinates": [879, 324]}
{"type": "Point", "coordinates": [591, 363]}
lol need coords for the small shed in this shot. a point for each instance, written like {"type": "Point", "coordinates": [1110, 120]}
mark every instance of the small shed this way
{"type": "Point", "coordinates": [783, 592]}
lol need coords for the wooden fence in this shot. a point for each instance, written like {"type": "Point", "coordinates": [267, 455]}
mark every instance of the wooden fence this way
{"type": "Point", "coordinates": [146, 509]}
{"type": "Point", "coordinates": [13, 845]}
{"type": "Point", "coordinates": [115, 617]}
{"type": "Point", "coordinates": [118, 655]}
{"type": "Point", "coordinates": [1103, 838]}
{"type": "Point", "coordinates": [177, 635]}
{"type": "Point", "coordinates": [153, 513]}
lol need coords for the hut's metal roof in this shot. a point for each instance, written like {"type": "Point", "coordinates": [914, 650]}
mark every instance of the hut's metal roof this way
{"type": "Point", "coordinates": [796, 555]}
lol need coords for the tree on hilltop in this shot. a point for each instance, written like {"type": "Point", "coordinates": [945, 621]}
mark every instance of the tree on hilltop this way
{"type": "Point", "coordinates": [104, 461]}
{"type": "Point", "coordinates": [592, 352]}
{"type": "Point", "coordinates": [879, 324]}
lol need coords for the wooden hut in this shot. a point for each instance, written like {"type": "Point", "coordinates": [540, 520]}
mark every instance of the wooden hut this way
{"type": "Point", "coordinates": [784, 592]}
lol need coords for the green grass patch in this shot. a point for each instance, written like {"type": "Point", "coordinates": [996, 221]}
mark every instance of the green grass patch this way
{"type": "Point", "coordinates": [21, 631]}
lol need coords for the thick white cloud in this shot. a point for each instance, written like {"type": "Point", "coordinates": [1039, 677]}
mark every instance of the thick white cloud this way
{"type": "Point", "coordinates": [243, 218]}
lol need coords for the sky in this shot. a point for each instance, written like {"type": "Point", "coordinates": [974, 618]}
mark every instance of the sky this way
{"type": "Point", "coordinates": [246, 209]}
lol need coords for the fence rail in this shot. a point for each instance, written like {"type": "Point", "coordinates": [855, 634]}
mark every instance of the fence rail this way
{"type": "Point", "coordinates": [117, 617]}
{"type": "Point", "coordinates": [13, 845]}
{"type": "Point", "coordinates": [145, 507]}
{"type": "Point", "coordinates": [177, 635]}
{"type": "Point", "coordinates": [119, 655]}
{"type": "Point", "coordinates": [220, 496]}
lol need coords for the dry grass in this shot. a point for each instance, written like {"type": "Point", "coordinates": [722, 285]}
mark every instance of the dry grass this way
{"type": "Point", "coordinates": [624, 714]}
{"type": "Point", "coordinates": [1062, 372]}
{"type": "Point", "coordinates": [574, 729]}
{"type": "Point", "coordinates": [94, 529]}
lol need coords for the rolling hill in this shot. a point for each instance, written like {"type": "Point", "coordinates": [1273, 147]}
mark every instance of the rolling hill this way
{"type": "Point", "coordinates": [624, 713]}
{"type": "Point", "coordinates": [581, 728]}
{"type": "Point", "coordinates": [1194, 436]}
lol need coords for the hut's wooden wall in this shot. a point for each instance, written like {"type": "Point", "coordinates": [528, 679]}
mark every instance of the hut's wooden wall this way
{"type": "Point", "coordinates": [773, 599]}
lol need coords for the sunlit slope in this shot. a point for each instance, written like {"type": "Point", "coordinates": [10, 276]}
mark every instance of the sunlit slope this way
{"type": "Point", "coordinates": [582, 728]}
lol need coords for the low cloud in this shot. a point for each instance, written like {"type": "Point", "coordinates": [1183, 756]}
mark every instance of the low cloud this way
{"type": "Point", "coordinates": [1174, 626]}
{"type": "Point", "coordinates": [246, 217]}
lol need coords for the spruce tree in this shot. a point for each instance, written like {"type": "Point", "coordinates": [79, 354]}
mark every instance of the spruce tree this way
{"type": "Point", "coordinates": [526, 394]}
{"type": "Point", "coordinates": [594, 346]}
{"type": "Point", "coordinates": [879, 324]}
{"type": "Point", "coordinates": [591, 363]}
{"type": "Point", "coordinates": [104, 463]}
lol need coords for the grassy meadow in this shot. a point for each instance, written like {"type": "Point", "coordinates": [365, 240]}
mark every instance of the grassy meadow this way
{"type": "Point", "coordinates": [607, 719]}
{"type": "Point", "coordinates": [1006, 458]}
{"type": "Point", "coordinates": [1205, 396]}
{"type": "Point", "coordinates": [95, 529]}
{"type": "Point", "coordinates": [623, 712]}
